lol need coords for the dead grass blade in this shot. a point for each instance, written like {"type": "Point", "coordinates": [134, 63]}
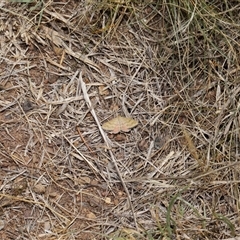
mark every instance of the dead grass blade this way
{"type": "Point", "coordinates": [58, 40]}
{"type": "Point", "coordinates": [42, 204]}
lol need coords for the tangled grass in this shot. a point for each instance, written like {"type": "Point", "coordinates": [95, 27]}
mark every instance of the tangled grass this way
{"type": "Point", "coordinates": [69, 66]}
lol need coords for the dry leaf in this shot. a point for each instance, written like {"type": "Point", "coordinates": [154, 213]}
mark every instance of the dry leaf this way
{"type": "Point", "coordinates": [108, 200]}
{"type": "Point", "coordinates": [39, 188]}
{"type": "Point", "coordinates": [27, 105]}
{"type": "Point", "coordinates": [103, 91]}
{"type": "Point", "coordinates": [58, 50]}
{"type": "Point", "coordinates": [91, 215]}
{"type": "Point", "coordinates": [143, 144]}
{"type": "Point", "coordinates": [119, 124]}
{"type": "Point", "coordinates": [120, 137]}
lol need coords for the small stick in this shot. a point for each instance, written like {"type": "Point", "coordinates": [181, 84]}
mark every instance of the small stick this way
{"type": "Point", "coordinates": [84, 141]}
{"type": "Point", "coordinates": [62, 57]}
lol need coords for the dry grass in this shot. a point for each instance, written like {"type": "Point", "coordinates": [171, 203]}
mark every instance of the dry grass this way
{"type": "Point", "coordinates": [69, 66]}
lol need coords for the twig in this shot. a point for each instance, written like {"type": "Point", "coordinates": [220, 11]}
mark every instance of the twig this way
{"type": "Point", "coordinates": [83, 139]}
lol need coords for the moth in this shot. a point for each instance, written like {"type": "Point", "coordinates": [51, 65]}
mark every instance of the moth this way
{"type": "Point", "coordinates": [120, 124]}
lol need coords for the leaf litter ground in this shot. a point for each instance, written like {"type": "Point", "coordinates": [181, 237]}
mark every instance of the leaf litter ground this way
{"type": "Point", "coordinates": [67, 68]}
